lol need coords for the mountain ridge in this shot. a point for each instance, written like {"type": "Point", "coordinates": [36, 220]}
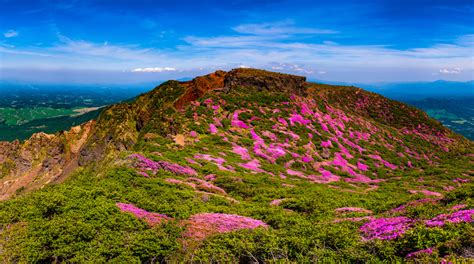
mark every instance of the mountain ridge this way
{"type": "Point", "coordinates": [288, 163]}
{"type": "Point", "coordinates": [126, 133]}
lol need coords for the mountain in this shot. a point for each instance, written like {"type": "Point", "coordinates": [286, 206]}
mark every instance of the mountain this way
{"type": "Point", "coordinates": [452, 103]}
{"type": "Point", "coordinates": [241, 166]}
{"type": "Point", "coordinates": [421, 90]}
{"type": "Point", "coordinates": [416, 90]}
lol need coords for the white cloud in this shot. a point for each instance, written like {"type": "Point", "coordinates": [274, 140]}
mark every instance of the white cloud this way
{"type": "Point", "coordinates": [269, 47]}
{"type": "Point", "coordinates": [279, 28]}
{"type": "Point", "coordinates": [157, 69]}
{"type": "Point", "coordinates": [452, 71]}
{"type": "Point", "coordinates": [10, 33]}
{"type": "Point", "coordinates": [89, 49]}
{"type": "Point", "coordinates": [290, 67]}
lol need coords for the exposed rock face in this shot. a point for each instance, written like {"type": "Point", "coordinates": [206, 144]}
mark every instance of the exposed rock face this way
{"type": "Point", "coordinates": [40, 160]}
{"type": "Point", "coordinates": [200, 86]}
{"type": "Point", "coordinates": [265, 80]}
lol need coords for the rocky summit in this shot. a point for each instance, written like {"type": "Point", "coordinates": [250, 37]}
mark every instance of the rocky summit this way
{"type": "Point", "coordinates": [241, 166]}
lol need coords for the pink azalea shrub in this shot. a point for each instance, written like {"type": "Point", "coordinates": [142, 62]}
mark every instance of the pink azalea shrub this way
{"type": "Point", "coordinates": [326, 144]}
{"type": "Point", "coordinates": [200, 226]}
{"type": "Point", "coordinates": [276, 202]}
{"type": "Point", "coordinates": [193, 134]}
{"type": "Point", "coordinates": [253, 165]}
{"type": "Point", "coordinates": [352, 209]}
{"type": "Point", "coordinates": [207, 186]}
{"type": "Point", "coordinates": [361, 166]}
{"type": "Point", "coordinates": [326, 177]}
{"type": "Point", "coordinates": [151, 218]}
{"type": "Point", "coordinates": [415, 254]}
{"type": "Point", "coordinates": [143, 165]}
{"type": "Point", "coordinates": [295, 173]}
{"type": "Point", "coordinates": [235, 122]}
{"type": "Point", "coordinates": [456, 217]}
{"type": "Point", "coordinates": [458, 207]}
{"type": "Point", "coordinates": [212, 129]}
{"type": "Point", "coordinates": [243, 152]}
{"type": "Point", "coordinates": [426, 192]}
{"type": "Point", "coordinates": [403, 207]}
{"type": "Point", "coordinates": [460, 180]}
{"type": "Point", "coordinates": [219, 162]}
{"type": "Point", "coordinates": [176, 181]}
{"type": "Point", "coordinates": [353, 219]}
{"type": "Point", "coordinates": [385, 228]}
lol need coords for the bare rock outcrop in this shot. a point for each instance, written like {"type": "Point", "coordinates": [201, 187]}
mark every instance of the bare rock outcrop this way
{"type": "Point", "coordinates": [41, 159]}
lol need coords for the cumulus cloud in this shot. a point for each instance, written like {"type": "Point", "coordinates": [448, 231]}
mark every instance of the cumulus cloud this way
{"type": "Point", "coordinates": [10, 33]}
{"type": "Point", "coordinates": [156, 69]}
{"type": "Point", "coordinates": [450, 71]}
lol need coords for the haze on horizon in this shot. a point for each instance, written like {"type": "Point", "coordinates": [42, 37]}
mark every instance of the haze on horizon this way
{"type": "Point", "coordinates": [90, 41]}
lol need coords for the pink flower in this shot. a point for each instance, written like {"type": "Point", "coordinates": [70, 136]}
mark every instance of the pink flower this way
{"type": "Point", "coordinates": [295, 118]}
{"type": "Point", "coordinates": [402, 208]}
{"type": "Point", "coordinates": [354, 219]}
{"type": "Point", "coordinates": [295, 173]}
{"type": "Point", "coordinates": [276, 202]}
{"type": "Point", "coordinates": [219, 162]}
{"type": "Point", "coordinates": [352, 209]}
{"type": "Point", "coordinates": [200, 226]}
{"type": "Point", "coordinates": [458, 207]}
{"type": "Point", "coordinates": [339, 160]}
{"type": "Point", "coordinates": [210, 177]}
{"type": "Point", "coordinates": [235, 122]}
{"type": "Point", "coordinates": [253, 165]}
{"type": "Point", "coordinates": [428, 251]}
{"type": "Point", "coordinates": [283, 121]}
{"type": "Point", "coordinates": [191, 161]}
{"type": "Point", "coordinates": [426, 192]}
{"type": "Point", "coordinates": [430, 193]}
{"type": "Point", "coordinates": [456, 217]}
{"type": "Point", "coordinates": [361, 166]}
{"type": "Point", "coordinates": [385, 228]}
{"type": "Point", "coordinates": [243, 152]}
{"type": "Point", "coordinates": [324, 127]}
{"type": "Point", "coordinates": [212, 129]}
{"type": "Point", "coordinates": [151, 218]}
{"type": "Point", "coordinates": [460, 180]}
{"type": "Point", "coordinates": [193, 134]}
{"type": "Point", "coordinates": [143, 164]}
{"type": "Point", "coordinates": [326, 144]}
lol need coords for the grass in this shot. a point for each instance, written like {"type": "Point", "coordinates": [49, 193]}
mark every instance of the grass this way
{"type": "Point", "coordinates": [78, 221]}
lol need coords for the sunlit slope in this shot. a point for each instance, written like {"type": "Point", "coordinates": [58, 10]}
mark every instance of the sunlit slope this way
{"type": "Point", "coordinates": [250, 165]}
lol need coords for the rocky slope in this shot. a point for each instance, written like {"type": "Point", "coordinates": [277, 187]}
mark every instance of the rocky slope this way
{"type": "Point", "coordinates": [246, 165]}
{"type": "Point", "coordinates": [40, 160]}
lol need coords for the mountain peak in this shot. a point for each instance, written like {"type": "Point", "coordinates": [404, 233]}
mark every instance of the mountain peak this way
{"type": "Point", "coordinates": [241, 77]}
{"type": "Point", "coordinates": [265, 81]}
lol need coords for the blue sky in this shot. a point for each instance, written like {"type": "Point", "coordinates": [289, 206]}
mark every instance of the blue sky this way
{"type": "Point", "coordinates": [139, 41]}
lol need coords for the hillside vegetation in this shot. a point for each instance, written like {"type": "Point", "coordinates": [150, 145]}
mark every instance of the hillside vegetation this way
{"type": "Point", "coordinates": [248, 166]}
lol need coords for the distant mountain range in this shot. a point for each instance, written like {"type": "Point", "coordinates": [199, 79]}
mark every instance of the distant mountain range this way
{"type": "Point", "coordinates": [415, 90]}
